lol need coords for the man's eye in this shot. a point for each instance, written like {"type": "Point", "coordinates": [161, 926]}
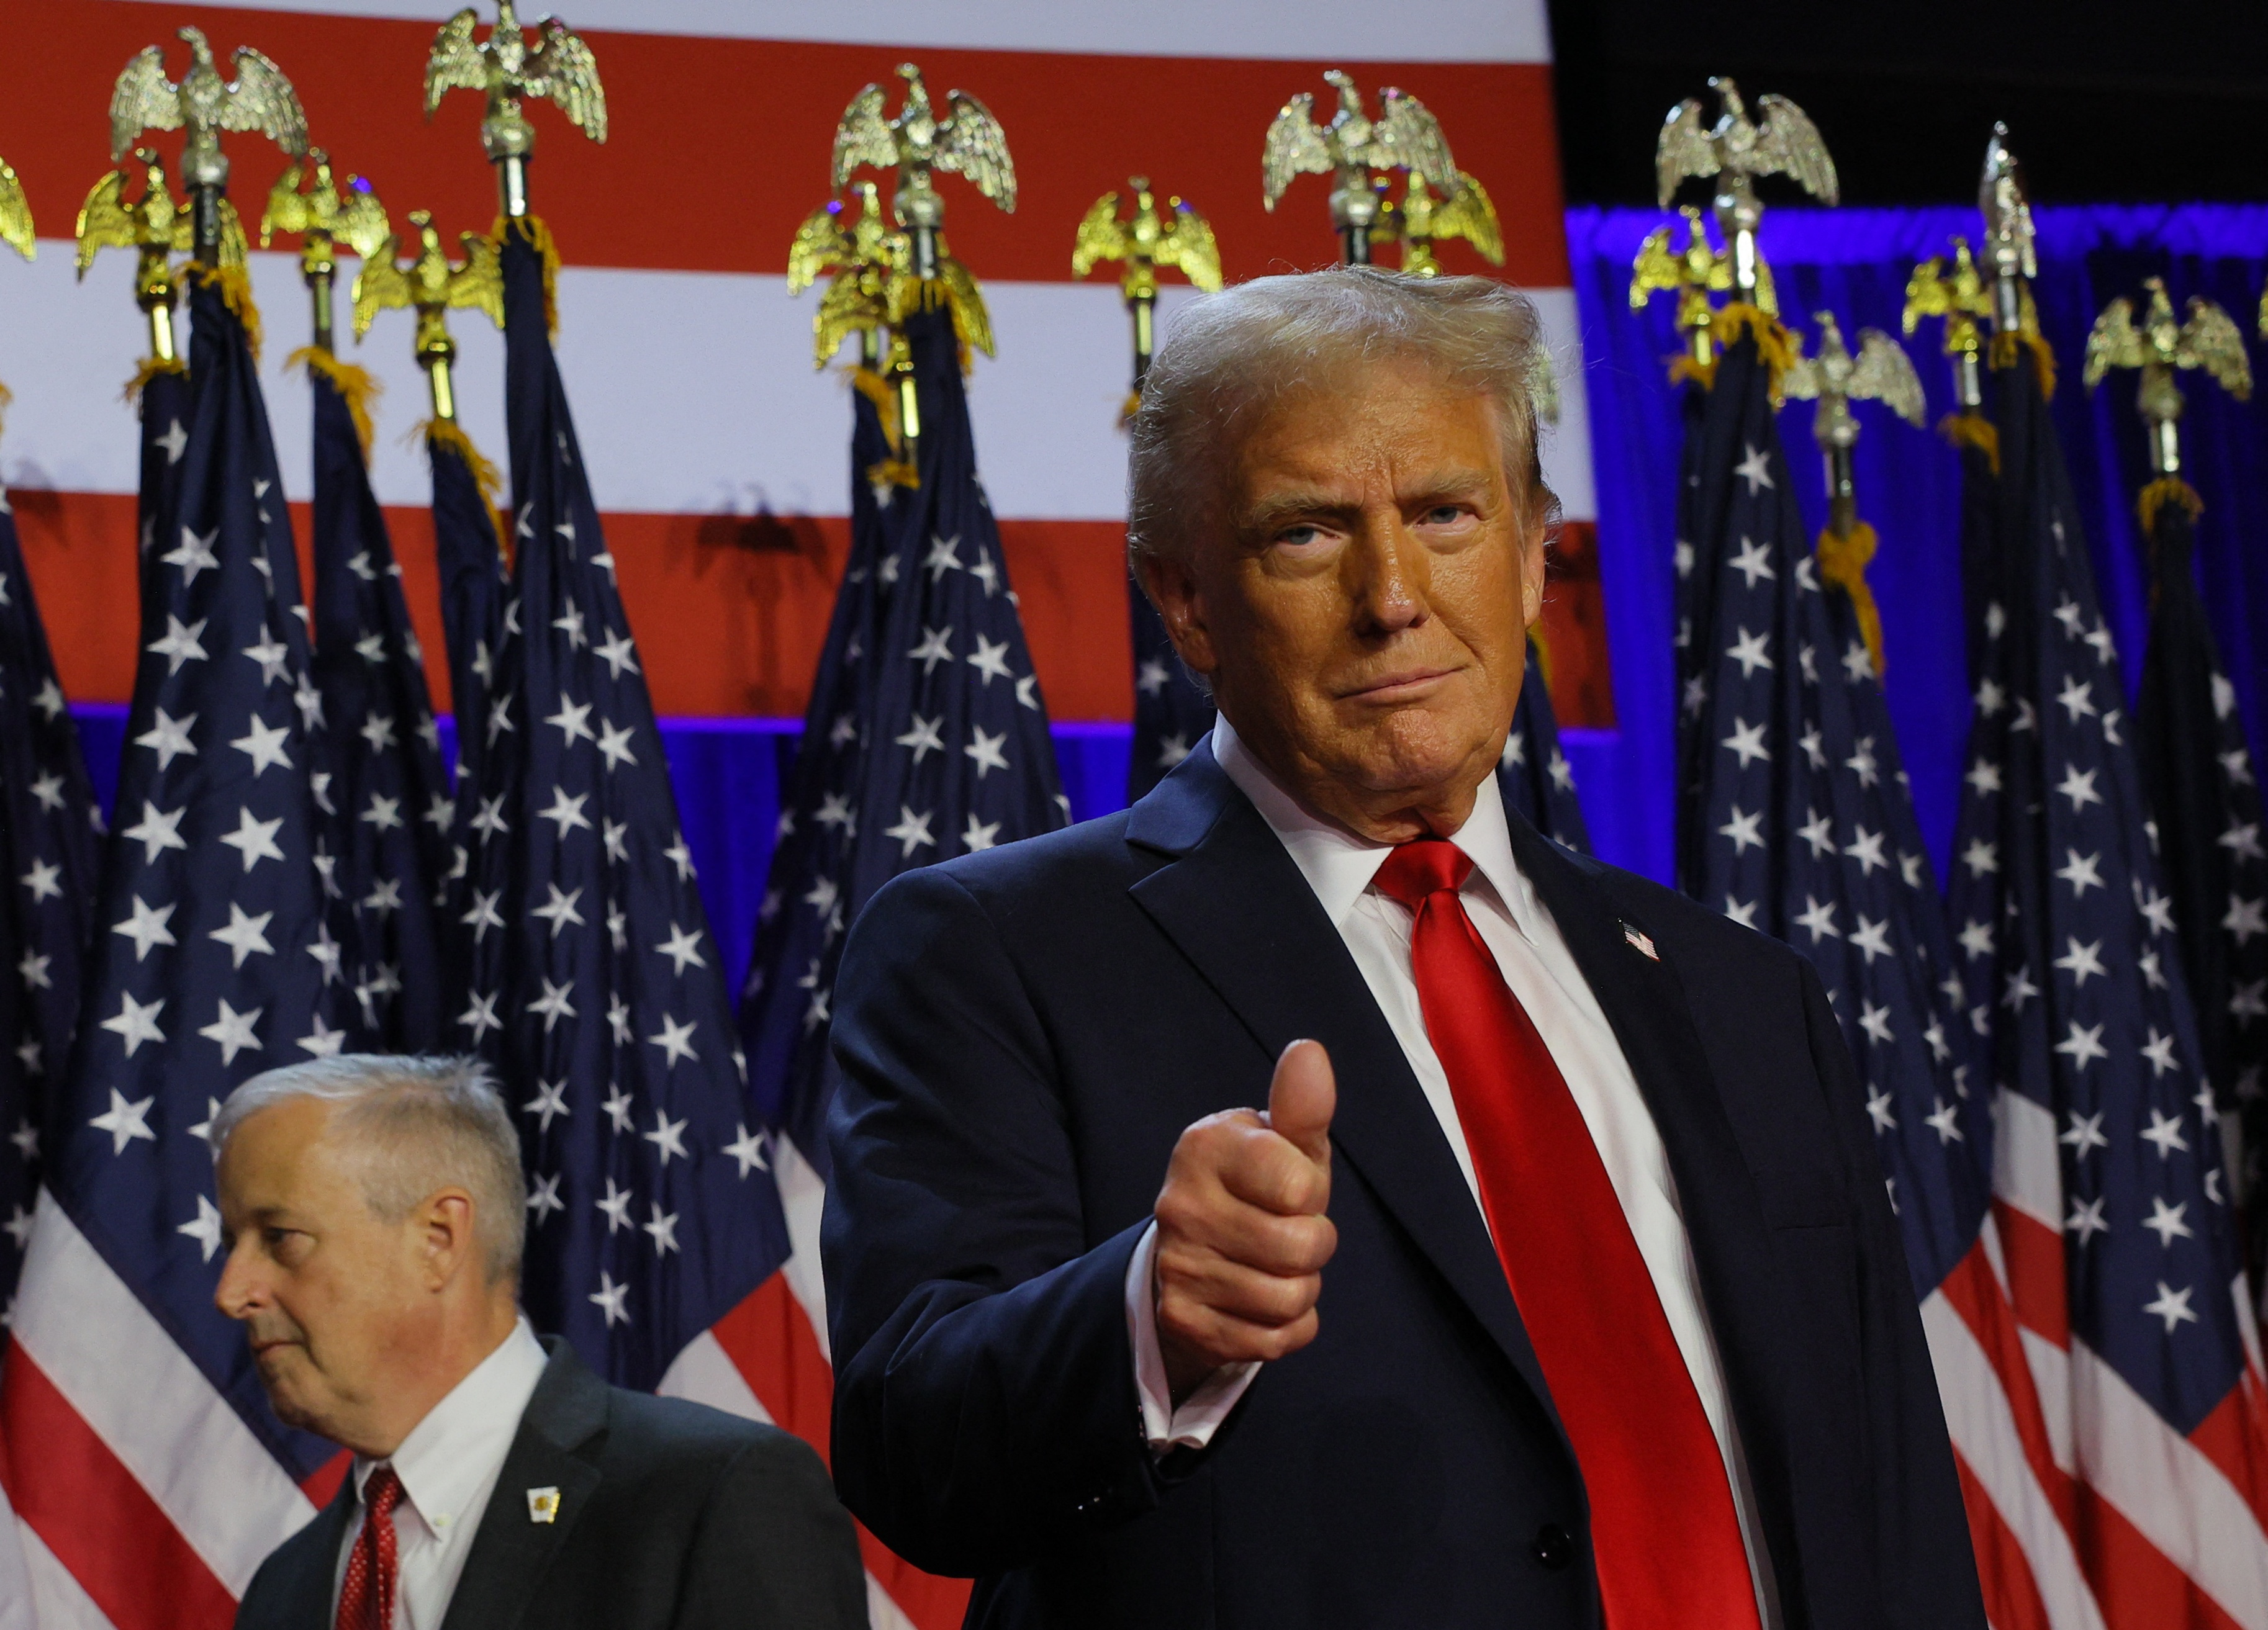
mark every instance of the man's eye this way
{"type": "Point", "coordinates": [1445, 514]}
{"type": "Point", "coordinates": [1298, 537]}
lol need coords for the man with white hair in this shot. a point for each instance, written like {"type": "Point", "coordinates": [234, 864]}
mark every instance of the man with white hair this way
{"type": "Point", "coordinates": [1555, 1284]}
{"type": "Point", "coordinates": [373, 1213]}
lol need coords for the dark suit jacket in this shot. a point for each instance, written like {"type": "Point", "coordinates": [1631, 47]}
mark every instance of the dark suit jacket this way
{"type": "Point", "coordinates": [671, 1514]}
{"type": "Point", "coordinates": [1023, 1034]}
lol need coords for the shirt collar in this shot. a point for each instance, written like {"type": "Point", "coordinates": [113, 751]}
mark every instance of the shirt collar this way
{"type": "Point", "coordinates": [1339, 866]}
{"type": "Point", "coordinates": [461, 1443]}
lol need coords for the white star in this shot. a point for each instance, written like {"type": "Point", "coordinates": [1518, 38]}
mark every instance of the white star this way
{"type": "Point", "coordinates": [748, 1148]}
{"type": "Point", "coordinates": [45, 880]}
{"type": "Point", "coordinates": [180, 644]}
{"type": "Point", "coordinates": [1152, 677]}
{"type": "Point", "coordinates": [2164, 1131]}
{"type": "Point", "coordinates": [193, 554]}
{"type": "Point", "coordinates": [2242, 842]}
{"type": "Point", "coordinates": [1747, 740]}
{"type": "Point", "coordinates": [309, 700]}
{"type": "Point", "coordinates": [990, 660]}
{"type": "Point", "coordinates": [1172, 749]}
{"type": "Point", "coordinates": [370, 648]}
{"type": "Point", "coordinates": [1984, 777]}
{"type": "Point", "coordinates": [169, 737]}
{"type": "Point", "coordinates": [2086, 1220]}
{"type": "Point", "coordinates": [157, 830]}
{"type": "Point", "coordinates": [1857, 661]}
{"type": "Point", "coordinates": [2082, 1045]}
{"type": "Point", "coordinates": [1749, 651]}
{"type": "Point", "coordinates": [1863, 762]}
{"type": "Point", "coordinates": [572, 721]}
{"type": "Point", "coordinates": [570, 622]}
{"type": "Point", "coordinates": [1745, 831]}
{"type": "Point", "coordinates": [264, 745]}
{"type": "Point", "coordinates": [2166, 1222]}
{"type": "Point", "coordinates": [1027, 693]}
{"type": "Point", "coordinates": [2020, 990]}
{"type": "Point", "coordinates": [979, 835]}
{"type": "Point", "coordinates": [549, 1103]}
{"type": "Point", "coordinates": [1755, 470]}
{"type": "Point", "coordinates": [664, 1230]}
{"type": "Point", "coordinates": [944, 556]}
{"type": "Point", "coordinates": [1682, 556]}
{"type": "Point", "coordinates": [682, 948]}
{"type": "Point", "coordinates": [675, 1042]}
{"type": "Point", "coordinates": [543, 1198]}
{"type": "Point", "coordinates": [255, 840]}
{"type": "Point", "coordinates": [615, 834]}
{"type": "Point", "coordinates": [204, 1228]}
{"type": "Point", "coordinates": [612, 1299]}
{"type": "Point", "coordinates": [325, 950]}
{"type": "Point", "coordinates": [554, 1003]}
{"type": "Point", "coordinates": [668, 1136]}
{"type": "Point", "coordinates": [559, 910]}
{"type": "Point", "coordinates": [489, 820]}
{"type": "Point", "coordinates": [1874, 938]}
{"type": "Point", "coordinates": [1946, 1122]}
{"type": "Point", "coordinates": [2079, 871]}
{"type": "Point", "coordinates": [617, 653]}
{"type": "Point", "coordinates": [986, 750]}
{"type": "Point", "coordinates": [146, 927]}
{"type": "Point", "coordinates": [2085, 1133]}
{"type": "Point", "coordinates": [125, 1122]}
{"type": "Point", "coordinates": [2077, 785]}
{"type": "Point", "coordinates": [500, 717]}
{"type": "Point", "coordinates": [32, 970]}
{"type": "Point", "coordinates": [484, 915]}
{"type": "Point", "coordinates": [912, 830]}
{"type": "Point", "coordinates": [617, 1107]}
{"type": "Point", "coordinates": [172, 441]}
{"type": "Point", "coordinates": [50, 702]}
{"type": "Point", "coordinates": [384, 812]}
{"type": "Point", "coordinates": [232, 1031]}
{"type": "Point", "coordinates": [480, 1016]}
{"type": "Point", "coordinates": [1819, 919]}
{"type": "Point", "coordinates": [681, 857]}
{"type": "Point", "coordinates": [1865, 847]}
{"type": "Point", "coordinates": [244, 936]}
{"type": "Point", "coordinates": [2245, 918]}
{"type": "Point", "coordinates": [1878, 1107]}
{"type": "Point", "coordinates": [2158, 910]}
{"type": "Point", "coordinates": [924, 735]}
{"type": "Point", "coordinates": [566, 810]}
{"type": "Point", "coordinates": [2172, 1305]}
{"type": "Point", "coordinates": [322, 1041]}
{"type": "Point", "coordinates": [1818, 831]}
{"type": "Point", "coordinates": [936, 646]}
{"type": "Point", "coordinates": [615, 745]}
{"type": "Point", "coordinates": [1875, 1022]}
{"type": "Point", "coordinates": [2082, 962]}
{"type": "Point", "coordinates": [1753, 561]}
{"type": "Point", "coordinates": [2077, 698]}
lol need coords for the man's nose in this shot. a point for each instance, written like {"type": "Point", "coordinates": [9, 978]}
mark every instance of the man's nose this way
{"type": "Point", "coordinates": [1391, 577]}
{"type": "Point", "coordinates": [239, 1290]}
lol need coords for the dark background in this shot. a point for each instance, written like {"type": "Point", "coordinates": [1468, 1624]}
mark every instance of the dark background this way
{"type": "Point", "coordinates": [2165, 100]}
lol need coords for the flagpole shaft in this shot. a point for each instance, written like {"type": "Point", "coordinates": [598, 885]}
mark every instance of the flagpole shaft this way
{"type": "Point", "coordinates": [320, 288]}
{"type": "Point", "coordinates": [511, 185]}
{"type": "Point", "coordinates": [1842, 493]}
{"type": "Point", "coordinates": [161, 329]}
{"type": "Point", "coordinates": [205, 237]}
{"type": "Point", "coordinates": [1967, 384]}
{"type": "Point", "coordinates": [1354, 241]}
{"type": "Point", "coordinates": [445, 396]}
{"type": "Point", "coordinates": [1145, 307]}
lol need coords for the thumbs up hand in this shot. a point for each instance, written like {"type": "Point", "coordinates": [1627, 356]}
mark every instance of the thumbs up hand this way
{"type": "Point", "coordinates": [1241, 1234]}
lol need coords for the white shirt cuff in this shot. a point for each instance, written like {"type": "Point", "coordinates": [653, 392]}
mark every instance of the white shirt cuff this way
{"type": "Point", "coordinates": [1200, 1415]}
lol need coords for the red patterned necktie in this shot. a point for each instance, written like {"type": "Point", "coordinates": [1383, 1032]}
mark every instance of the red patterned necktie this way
{"type": "Point", "coordinates": [366, 1597]}
{"type": "Point", "coordinates": [1663, 1531]}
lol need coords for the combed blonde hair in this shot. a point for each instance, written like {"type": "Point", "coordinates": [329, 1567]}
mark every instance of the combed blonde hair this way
{"type": "Point", "coordinates": [1231, 357]}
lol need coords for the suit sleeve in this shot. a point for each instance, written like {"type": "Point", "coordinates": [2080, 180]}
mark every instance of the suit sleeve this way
{"type": "Point", "coordinates": [775, 1547]}
{"type": "Point", "coordinates": [1927, 1569]}
{"type": "Point", "coordinates": [985, 1406]}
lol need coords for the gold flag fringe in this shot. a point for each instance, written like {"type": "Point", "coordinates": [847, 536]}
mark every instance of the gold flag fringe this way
{"type": "Point", "coordinates": [893, 473]}
{"type": "Point", "coordinates": [235, 286]}
{"type": "Point", "coordinates": [1843, 561]}
{"type": "Point", "coordinates": [879, 391]}
{"type": "Point", "coordinates": [2005, 345]}
{"type": "Point", "coordinates": [538, 237]}
{"type": "Point", "coordinates": [1127, 409]}
{"type": "Point", "coordinates": [150, 368]}
{"type": "Point", "coordinates": [6, 396]}
{"type": "Point", "coordinates": [1971, 429]}
{"type": "Point", "coordinates": [2165, 490]}
{"type": "Point", "coordinates": [1776, 347]}
{"type": "Point", "coordinates": [486, 476]}
{"type": "Point", "coordinates": [354, 384]}
{"type": "Point", "coordinates": [1686, 368]}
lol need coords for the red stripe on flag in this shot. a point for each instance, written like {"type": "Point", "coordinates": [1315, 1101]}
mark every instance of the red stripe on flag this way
{"type": "Point", "coordinates": [2012, 1596]}
{"type": "Point", "coordinates": [2034, 1256]}
{"type": "Point", "coordinates": [97, 1519]}
{"type": "Point", "coordinates": [1973, 1292]}
{"type": "Point", "coordinates": [323, 1482]}
{"type": "Point", "coordinates": [649, 197]}
{"type": "Point", "coordinates": [770, 1340]}
{"type": "Point", "coordinates": [2233, 1437]}
{"type": "Point", "coordinates": [2138, 1585]}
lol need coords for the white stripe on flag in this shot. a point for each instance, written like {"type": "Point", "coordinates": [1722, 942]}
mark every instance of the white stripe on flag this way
{"type": "Point", "coordinates": [59, 1602]}
{"type": "Point", "coordinates": [1984, 1428]}
{"type": "Point", "coordinates": [2027, 1173]}
{"type": "Point", "coordinates": [711, 405]}
{"type": "Point", "coordinates": [1426, 30]}
{"type": "Point", "coordinates": [703, 1372]}
{"type": "Point", "coordinates": [140, 1393]}
{"type": "Point", "coordinates": [16, 1606]}
{"type": "Point", "coordinates": [803, 1195]}
{"type": "Point", "coordinates": [2163, 1485]}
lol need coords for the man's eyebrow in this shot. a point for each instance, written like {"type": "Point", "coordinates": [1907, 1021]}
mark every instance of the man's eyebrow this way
{"type": "Point", "coordinates": [1274, 510]}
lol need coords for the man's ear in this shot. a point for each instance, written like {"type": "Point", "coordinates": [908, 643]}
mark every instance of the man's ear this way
{"type": "Point", "coordinates": [444, 1226]}
{"type": "Point", "coordinates": [1533, 545]}
{"type": "Point", "coordinates": [1173, 590]}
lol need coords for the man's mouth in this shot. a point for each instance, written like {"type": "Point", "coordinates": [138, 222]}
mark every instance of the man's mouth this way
{"type": "Point", "coordinates": [1402, 684]}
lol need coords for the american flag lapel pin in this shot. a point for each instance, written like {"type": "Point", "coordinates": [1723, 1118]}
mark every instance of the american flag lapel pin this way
{"type": "Point", "coordinates": [1641, 943]}
{"type": "Point", "coordinates": [542, 1505]}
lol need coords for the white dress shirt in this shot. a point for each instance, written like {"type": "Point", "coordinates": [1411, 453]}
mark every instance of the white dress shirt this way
{"type": "Point", "coordinates": [1537, 964]}
{"type": "Point", "coordinates": [448, 1466]}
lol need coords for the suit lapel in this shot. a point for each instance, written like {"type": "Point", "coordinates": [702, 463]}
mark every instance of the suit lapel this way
{"type": "Point", "coordinates": [1234, 903]}
{"type": "Point", "coordinates": [314, 1561]}
{"type": "Point", "coordinates": [1644, 1003]}
{"type": "Point", "coordinates": [555, 1449]}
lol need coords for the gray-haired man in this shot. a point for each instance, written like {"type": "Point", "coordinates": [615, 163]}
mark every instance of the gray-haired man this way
{"type": "Point", "coordinates": [373, 1211]}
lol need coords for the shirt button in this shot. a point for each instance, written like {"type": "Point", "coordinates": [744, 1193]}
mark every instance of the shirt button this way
{"type": "Point", "coordinates": [1554, 1549]}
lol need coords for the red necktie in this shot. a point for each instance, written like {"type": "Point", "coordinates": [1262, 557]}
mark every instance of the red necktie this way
{"type": "Point", "coordinates": [1663, 1531]}
{"type": "Point", "coordinates": [366, 1597]}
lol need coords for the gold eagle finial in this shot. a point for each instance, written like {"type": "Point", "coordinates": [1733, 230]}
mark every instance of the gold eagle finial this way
{"type": "Point", "coordinates": [559, 68]}
{"type": "Point", "coordinates": [1881, 371]}
{"type": "Point", "coordinates": [1405, 135]}
{"type": "Point", "coordinates": [429, 284]}
{"type": "Point", "coordinates": [1955, 291]}
{"type": "Point", "coordinates": [2160, 346]}
{"type": "Point", "coordinates": [865, 256]}
{"type": "Point", "coordinates": [16, 215]}
{"type": "Point", "coordinates": [1418, 220]}
{"type": "Point", "coordinates": [155, 227]}
{"type": "Point", "coordinates": [1736, 150]}
{"type": "Point", "coordinates": [1176, 237]}
{"type": "Point", "coordinates": [968, 142]}
{"type": "Point", "coordinates": [260, 99]}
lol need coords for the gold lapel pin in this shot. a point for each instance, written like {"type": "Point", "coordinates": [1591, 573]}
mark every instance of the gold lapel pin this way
{"type": "Point", "coordinates": [542, 1505]}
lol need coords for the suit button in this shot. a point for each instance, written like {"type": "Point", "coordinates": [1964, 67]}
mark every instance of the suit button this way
{"type": "Point", "coordinates": [1554, 1549]}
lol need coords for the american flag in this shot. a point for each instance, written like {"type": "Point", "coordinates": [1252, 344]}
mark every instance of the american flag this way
{"type": "Point", "coordinates": [595, 986]}
{"type": "Point", "coordinates": [1801, 825]}
{"type": "Point", "coordinates": [2118, 1243]}
{"type": "Point", "coordinates": [50, 859]}
{"type": "Point", "coordinates": [160, 1478]}
{"type": "Point", "coordinates": [1533, 771]}
{"type": "Point", "coordinates": [1170, 711]}
{"type": "Point", "coordinates": [470, 558]}
{"type": "Point", "coordinates": [387, 792]}
{"type": "Point", "coordinates": [932, 741]}
{"type": "Point", "coordinates": [2196, 777]}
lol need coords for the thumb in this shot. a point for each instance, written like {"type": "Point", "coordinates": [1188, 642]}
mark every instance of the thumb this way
{"type": "Point", "coordinates": [1301, 1099]}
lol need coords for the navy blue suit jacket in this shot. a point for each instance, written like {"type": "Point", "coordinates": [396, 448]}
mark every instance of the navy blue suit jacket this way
{"type": "Point", "coordinates": [1022, 1036]}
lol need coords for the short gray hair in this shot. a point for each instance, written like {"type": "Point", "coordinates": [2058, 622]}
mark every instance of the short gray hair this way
{"type": "Point", "coordinates": [413, 1125]}
{"type": "Point", "coordinates": [1232, 355]}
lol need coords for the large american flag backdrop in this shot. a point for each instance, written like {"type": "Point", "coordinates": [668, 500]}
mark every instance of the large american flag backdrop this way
{"type": "Point", "coordinates": [715, 455]}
